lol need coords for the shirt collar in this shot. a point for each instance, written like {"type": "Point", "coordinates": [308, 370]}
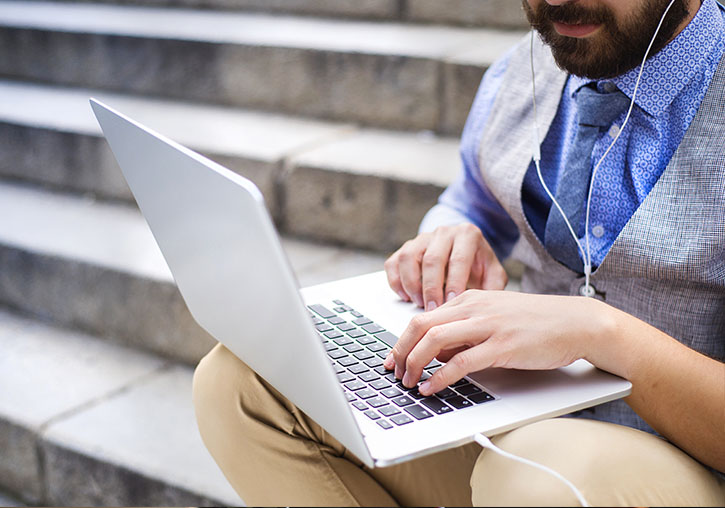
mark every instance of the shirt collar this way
{"type": "Point", "coordinates": [668, 72]}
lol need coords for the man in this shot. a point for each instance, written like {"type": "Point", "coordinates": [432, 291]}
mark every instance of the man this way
{"type": "Point", "coordinates": [652, 236]}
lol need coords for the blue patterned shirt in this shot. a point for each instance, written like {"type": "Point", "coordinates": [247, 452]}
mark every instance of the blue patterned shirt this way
{"type": "Point", "coordinates": [673, 85]}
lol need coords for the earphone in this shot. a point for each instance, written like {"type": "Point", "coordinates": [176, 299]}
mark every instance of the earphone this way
{"type": "Point", "coordinates": [586, 255]}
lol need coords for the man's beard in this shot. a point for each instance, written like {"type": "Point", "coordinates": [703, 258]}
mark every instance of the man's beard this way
{"type": "Point", "coordinates": [617, 47]}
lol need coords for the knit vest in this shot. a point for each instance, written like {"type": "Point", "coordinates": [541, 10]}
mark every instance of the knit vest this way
{"type": "Point", "coordinates": [667, 266]}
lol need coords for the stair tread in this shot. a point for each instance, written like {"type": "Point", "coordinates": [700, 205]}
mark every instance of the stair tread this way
{"type": "Point", "coordinates": [368, 37]}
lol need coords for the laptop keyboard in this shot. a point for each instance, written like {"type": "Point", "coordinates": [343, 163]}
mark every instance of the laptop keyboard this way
{"type": "Point", "coordinates": [357, 348]}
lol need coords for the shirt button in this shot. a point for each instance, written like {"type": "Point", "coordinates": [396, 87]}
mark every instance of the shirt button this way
{"type": "Point", "coordinates": [598, 231]}
{"type": "Point", "coordinates": [613, 131]}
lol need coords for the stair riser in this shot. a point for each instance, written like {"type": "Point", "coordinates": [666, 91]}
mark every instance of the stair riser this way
{"type": "Point", "coordinates": [19, 465]}
{"type": "Point", "coordinates": [369, 211]}
{"type": "Point", "coordinates": [136, 311]}
{"type": "Point", "coordinates": [397, 92]}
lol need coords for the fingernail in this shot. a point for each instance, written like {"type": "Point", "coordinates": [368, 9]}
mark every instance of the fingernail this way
{"type": "Point", "coordinates": [389, 362]}
{"type": "Point", "coordinates": [451, 295]}
{"type": "Point", "coordinates": [403, 296]}
{"type": "Point", "coordinates": [431, 306]}
{"type": "Point", "coordinates": [424, 388]}
{"type": "Point", "coordinates": [406, 379]}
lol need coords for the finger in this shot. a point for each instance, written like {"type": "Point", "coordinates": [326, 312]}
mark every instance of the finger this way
{"type": "Point", "coordinates": [459, 266]}
{"type": "Point", "coordinates": [409, 259]}
{"type": "Point", "coordinates": [440, 337]}
{"type": "Point", "coordinates": [433, 267]}
{"type": "Point", "coordinates": [470, 360]}
{"type": "Point", "coordinates": [393, 273]}
{"type": "Point", "coordinates": [494, 275]}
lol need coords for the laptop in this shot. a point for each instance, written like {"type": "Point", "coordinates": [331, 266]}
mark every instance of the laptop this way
{"type": "Point", "coordinates": [322, 346]}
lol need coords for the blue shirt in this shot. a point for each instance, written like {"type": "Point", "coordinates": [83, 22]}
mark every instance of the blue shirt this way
{"type": "Point", "coordinates": [671, 90]}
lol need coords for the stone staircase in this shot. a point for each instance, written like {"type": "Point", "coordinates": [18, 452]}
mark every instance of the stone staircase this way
{"type": "Point", "coordinates": [344, 112]}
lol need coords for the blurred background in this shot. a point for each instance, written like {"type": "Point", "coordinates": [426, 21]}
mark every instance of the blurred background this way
{"type": "Point", "coordinates": [345, 113]}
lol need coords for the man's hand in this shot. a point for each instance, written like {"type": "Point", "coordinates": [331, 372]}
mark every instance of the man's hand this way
{"type": "Point", "coordinates": [434, 268]}
{"type": "Point", "coordinates": [482, 329]}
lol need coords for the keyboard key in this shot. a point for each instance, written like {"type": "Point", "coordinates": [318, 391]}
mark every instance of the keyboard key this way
{"type": "Point", "coordinates": [373, 362]}
{"type": "Point", "coordinates": [353, 348]}
{"type": "Point", "coordinates": [433, 364]}
{"type": "Point", "coordinates": [323, 327]}
{"type": "Point", "coordinates": [347, 361]}
{"type": "Point", "coordinates": [321, 310]}
{"type": "Point", "coordinates": [383, 354]}
{"type": "Point", "coordinates": [330, 346]}
{"type": "Point", "coordinates": [342, 341]}
{"type": "Point", "coordinates": [391, 377]}
{"type": "Point", "coordinates": [356, 333]}
{"type": "Point", "coordinates": [445, 393]}
{"type": "Point", "coordinates": [460, 382]}
{"type": "Point", "coordinates": [356, 313]}
{"type": "Point", "coordinates": [355, 384]}
{"type": "Point", "coordinates": [344, 377]}
{"type": "Point", "coordinates": [401, 419]}
{"type": "Point", "coordinates": [360, 405]}
{"type": "Point", "coordinates": [373, 328]}
{"type": "Point", "coordinates": [436, 405]}
{"type": "Point", "coordinates": [339, 369]}
{"type": "Point", "coordinates": [388, 338]}
{"type": "Point", "coordinates": [338, 302]}
{"type": "Point", "coordinates": [337, 354]}
{"type": "Point", "coordinates": [362, 320]}
{"type": "Point", "coordinates": [391, 392]}
{"type": "Point", "coordinates": [350, 397]}
{"type": "Point", "coordinates": [358, 368]}
{"type": "Point", "coordinates": [366, 339]}
{"type": "Point", "coordinates": [340, 309]}
{"type": "Point", "coordinates": [418, 412]}
{"type": "Point", "coordinates": [367, 393]}
{"type": "Point", "coordinates": [336, 320]}
{"type": "Point", "coordinates": [416, 394]}
{"type": "Point", "coordinates": [372, 414]}
{"type": "Point", "coordinates": [458, 402]}
{"type": "Point", "coordinates": [345, 327]}
{"type": "Point", "coordinates": [369, 376]}
{"type": "Point", "coordinates": [333, 334]}
{"type": "Point", "coordinates": [389, 411]}
{"type": "Point", "coordinates": [382, 370]}
{"type": "Point", "coordinates": [480, 398]}
{"type": "Point", "coordinates": [316, 321]}
{"type": "Point", "coordinates": [468, 389]}
{"type": "Point", "coordinates": [377, 402]}
{"type": "Point", "coordinates": [385, 424]}
{"type": "Point", "coordinates": [405, 401]}
{"type": "Point", "coordinates": [376, 346]}
{"type": "Point", "coordinates": [363, 355]}
{"type": "Point", "coordinates": [380, 384]}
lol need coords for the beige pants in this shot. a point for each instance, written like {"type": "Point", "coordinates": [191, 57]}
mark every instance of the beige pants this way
{"type": "Point", "coordinates": [273, 454]}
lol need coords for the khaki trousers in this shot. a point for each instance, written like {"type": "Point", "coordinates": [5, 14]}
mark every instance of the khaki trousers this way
{"type": "Point", "coordinates": [273, 454]}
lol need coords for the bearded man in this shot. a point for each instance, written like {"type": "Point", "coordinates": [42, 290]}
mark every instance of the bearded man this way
{"type": "Point", "coordinates": [634, 157]}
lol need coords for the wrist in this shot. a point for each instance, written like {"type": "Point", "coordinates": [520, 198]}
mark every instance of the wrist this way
{"type": "Point", "coordinates": [605, 347]}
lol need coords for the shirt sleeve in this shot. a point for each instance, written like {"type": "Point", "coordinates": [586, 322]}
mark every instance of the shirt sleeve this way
{"type": "Point", "coordinates": [468, 199]}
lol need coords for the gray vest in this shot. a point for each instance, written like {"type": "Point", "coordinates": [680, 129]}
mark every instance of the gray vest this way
{"type": "Point", "coordinates": [667, 267]}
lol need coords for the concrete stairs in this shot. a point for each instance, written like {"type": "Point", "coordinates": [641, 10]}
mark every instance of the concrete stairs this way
{"type": "Point", "coordinates": [344, 112]}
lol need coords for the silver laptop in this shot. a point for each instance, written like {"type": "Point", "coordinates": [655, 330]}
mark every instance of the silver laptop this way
{"type": "Point", "coordinates": [322, 347]}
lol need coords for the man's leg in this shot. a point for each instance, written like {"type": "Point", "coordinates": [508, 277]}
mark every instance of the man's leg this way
{"type": "Point", "coordinates": [610, 464]}
{"type": "Point", "coordinates": [272, 453]}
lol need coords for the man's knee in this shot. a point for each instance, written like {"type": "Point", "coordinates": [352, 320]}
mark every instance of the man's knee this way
{"type": "Point", "coordinates": [609, 464]}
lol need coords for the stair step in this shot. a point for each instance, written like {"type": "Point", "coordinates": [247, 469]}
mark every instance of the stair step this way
{"type": "Point", "coordinates": [330, 181]}
{"type": "Point", "coordinates": [498, 13]}
{"type": "Point", "coordinates": [94, 266]}
{"type": "Point", "coordinates": [381, 74]}
{"type": "Point", "coordinates": [84, 422]}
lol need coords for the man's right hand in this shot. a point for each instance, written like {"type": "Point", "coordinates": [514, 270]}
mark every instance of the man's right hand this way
{"type": "Point", "coordinates": [433, 268]}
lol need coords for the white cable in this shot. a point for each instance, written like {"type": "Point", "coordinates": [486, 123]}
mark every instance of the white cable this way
{"type": "Point", "coordinates": [486, 443]}
{"type": "Point", "coordinates": [586, 255]}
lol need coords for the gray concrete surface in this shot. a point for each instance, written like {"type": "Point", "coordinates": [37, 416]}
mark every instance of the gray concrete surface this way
{"type": "Point", "coordinates": [379, 74]}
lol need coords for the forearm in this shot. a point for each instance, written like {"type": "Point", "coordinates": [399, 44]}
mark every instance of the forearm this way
{"type": "Point", "coordinates": [679, 392]}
